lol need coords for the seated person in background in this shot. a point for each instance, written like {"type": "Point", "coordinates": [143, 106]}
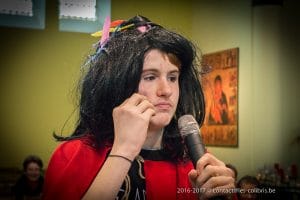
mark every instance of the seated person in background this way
{"type": "Point", "coordinates": [233, 168]}
{"type": "Point", "coordinates": [30, 184]}
{"type": "Point", "coordinates": [247, 184]}
{"type": "Point", "coordinates": [234, 196]}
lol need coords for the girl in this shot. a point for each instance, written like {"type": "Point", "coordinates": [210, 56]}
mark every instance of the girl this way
{"type": "Point", "coordinates": [127, 144]}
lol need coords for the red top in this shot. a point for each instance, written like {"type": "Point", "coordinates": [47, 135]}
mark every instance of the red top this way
{"type": "Point", "coordinates": [75, 164]}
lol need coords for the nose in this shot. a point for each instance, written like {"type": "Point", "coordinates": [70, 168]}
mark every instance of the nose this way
{"type": "Point", "coordinates": [164, 88]}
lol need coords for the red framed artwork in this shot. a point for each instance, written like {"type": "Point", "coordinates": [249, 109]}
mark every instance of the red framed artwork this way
{"type": "Point", "coordinates": [220, 86]}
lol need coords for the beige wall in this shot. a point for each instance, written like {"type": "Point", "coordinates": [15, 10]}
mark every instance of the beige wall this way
{"type": "Point", "coordinates": [267, 37]}
{"type": "Point", "coordinates": [222, 26]}
{"type": "Point", "coordinates": [40, 68]}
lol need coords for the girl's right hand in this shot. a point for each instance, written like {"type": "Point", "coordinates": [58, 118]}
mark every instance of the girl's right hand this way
{"type": "Point", "coordinates": [131, 120]}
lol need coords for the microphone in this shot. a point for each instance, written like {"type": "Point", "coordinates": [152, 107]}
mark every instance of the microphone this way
{"type": "Point", "coordinates": [189, 130]}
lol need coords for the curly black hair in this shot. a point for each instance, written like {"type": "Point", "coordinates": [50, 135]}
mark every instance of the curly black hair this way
{"type": "Point", "coordinates": [115, 75]}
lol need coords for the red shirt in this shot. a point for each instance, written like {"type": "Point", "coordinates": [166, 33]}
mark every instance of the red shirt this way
{"type": "Point", "coordinates": [75, 164]}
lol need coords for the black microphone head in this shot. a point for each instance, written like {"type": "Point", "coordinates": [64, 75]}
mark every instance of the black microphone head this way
{"type": "Point", "coordinates": [188, 125]}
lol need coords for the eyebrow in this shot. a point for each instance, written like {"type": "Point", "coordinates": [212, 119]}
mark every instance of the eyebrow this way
{"type": "Point", "coordinates": [157, 71]}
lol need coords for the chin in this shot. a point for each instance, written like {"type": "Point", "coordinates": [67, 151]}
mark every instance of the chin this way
{"type": "Point", "coordinates": [160, 120]}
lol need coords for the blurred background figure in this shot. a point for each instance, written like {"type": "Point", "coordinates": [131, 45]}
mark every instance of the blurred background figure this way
{"type": "Point", "coordinates": [30, 184]}
{"type": "Point", "coordinates": [234, 195]}
{"type": "Point", "coordinates": [247, 184]}
{"type": "Point", "coordinates": [234, 169]}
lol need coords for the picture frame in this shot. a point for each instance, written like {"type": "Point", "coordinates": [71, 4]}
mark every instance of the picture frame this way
{"type": "Point", "coordinates": [103, 9]}
{"type": "Point", "coordinates": [220, 87]}
{"type": "Point", "coordinates": [36, 21]}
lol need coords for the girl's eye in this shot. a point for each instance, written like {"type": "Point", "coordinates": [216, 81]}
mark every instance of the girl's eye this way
{"type": "Point", "coordinates": [173, 78]}
{"type": "Point", "coordinates": [149, 78]}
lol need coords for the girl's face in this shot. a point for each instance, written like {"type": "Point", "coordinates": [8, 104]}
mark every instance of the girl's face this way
{"type": "Point", "coordinates": [159, 82]}
{"type": "Point", "coordinates": [33, 171]}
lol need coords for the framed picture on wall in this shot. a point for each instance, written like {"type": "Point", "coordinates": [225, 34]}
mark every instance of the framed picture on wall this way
{"type": "Point", "coordinates": [23, 13]}
{"type": "Point", "coordinates": [83, 16]}
{"type": "Point", "coordinates": [220, 86]}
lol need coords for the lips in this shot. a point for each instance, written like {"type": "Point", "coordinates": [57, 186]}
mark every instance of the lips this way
{"type": "Point", "coordinates": [163, 106]}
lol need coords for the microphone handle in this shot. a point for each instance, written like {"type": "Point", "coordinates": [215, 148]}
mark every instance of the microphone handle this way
{"type": "Point", "coordinates": [195, 147]}
{"type": "Point", "coordinates": [196, 150]}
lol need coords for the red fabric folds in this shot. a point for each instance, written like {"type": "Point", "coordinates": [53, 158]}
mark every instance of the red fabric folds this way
{"type": "Point", "coordinates": [74, 165]}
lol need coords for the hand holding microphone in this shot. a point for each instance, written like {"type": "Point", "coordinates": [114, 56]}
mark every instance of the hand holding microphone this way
{"type": "Point", "coordinates": [210, 174]}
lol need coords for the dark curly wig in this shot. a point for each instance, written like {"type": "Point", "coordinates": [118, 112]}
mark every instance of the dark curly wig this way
{"type": "Point", "coordinates": [114, 75]}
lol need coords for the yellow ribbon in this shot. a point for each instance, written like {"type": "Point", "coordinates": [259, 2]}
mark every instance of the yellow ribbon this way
{"type": "Point", "coordinates": [99, 33]}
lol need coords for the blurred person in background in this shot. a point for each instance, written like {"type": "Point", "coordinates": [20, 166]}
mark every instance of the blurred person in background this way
{"type": "Point", "coordinates": [30, 184]}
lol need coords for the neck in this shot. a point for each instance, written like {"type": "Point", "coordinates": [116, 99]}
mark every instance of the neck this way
{"type": "Point", "coordinates": [154, 140]}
